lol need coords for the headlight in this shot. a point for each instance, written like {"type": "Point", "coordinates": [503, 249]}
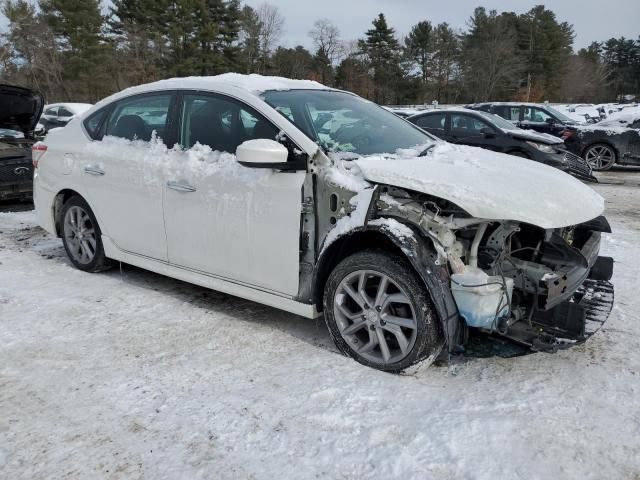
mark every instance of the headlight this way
{"type": "Point", "coordinates": [543, 147]}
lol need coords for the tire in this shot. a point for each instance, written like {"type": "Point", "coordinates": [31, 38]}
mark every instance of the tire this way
{"type": "Point", "coordinates": [360, 331]}
{"type": "Point", "coordinates": [83, 244]}
{"type": "Point", "coordinates": [600, 156]}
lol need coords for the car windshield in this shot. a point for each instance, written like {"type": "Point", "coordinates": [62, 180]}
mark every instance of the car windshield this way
{"type": "Point", "coordinates": [342, 122]}
{"type": "Point", "coordinates": [559, 115]}
{"type": "Point", "coordinates": [498, 121]}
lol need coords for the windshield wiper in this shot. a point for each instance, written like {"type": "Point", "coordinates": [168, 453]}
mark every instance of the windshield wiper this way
{"type": "Point", "coordinates": [427, 150]}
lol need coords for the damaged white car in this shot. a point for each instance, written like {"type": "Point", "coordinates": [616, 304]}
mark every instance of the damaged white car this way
{"type": "Point", "coordinates": [313, 200]}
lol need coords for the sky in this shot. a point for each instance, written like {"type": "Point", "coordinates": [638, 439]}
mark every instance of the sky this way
{"type": "Point", "coordinates": [592, 19]}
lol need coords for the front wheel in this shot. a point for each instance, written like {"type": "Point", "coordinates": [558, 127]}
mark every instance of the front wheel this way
{"type": "Point", "coordinates": [81, 236]}
{"type": "Point", "coordinates": [600, 156]}
{"type": "Point", "coordinates": [379, 312]}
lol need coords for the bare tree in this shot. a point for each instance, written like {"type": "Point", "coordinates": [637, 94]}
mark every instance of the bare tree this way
{"type": "Point", "coordinates": [271, 28]}
{"type": "Point", "coordinates": [326, 40]}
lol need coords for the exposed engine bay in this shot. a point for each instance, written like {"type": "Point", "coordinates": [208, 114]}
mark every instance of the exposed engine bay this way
{"type": "Point", "coordinates": [545, 288]}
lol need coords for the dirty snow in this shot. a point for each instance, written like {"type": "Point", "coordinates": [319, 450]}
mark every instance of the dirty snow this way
{"type": "Point", "coordinates": [131, 375]}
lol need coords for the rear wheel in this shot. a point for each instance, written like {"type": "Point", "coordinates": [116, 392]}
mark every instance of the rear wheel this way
{"type": "Point", "coordinates": [600, 156]}
{"type": "Point", "coordinates": [81, 236]}
{"type": "Point", "coordinates": [379, 312]}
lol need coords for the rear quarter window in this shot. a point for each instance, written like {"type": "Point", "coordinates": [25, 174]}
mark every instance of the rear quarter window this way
{"type": "Point", "coordinates": [94, 122]}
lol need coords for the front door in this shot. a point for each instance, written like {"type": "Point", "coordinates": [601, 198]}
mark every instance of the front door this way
{"type": "Point", "coordinates": [123, 174]}
{"type": "Point", "coordinates": [470, 130]}
{"type": "Point", "coordinates": [237, 223]}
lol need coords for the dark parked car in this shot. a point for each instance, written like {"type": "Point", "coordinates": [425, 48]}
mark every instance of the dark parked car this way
{"type": "Point", "coordinates": [531, 116]}
{"type": "Point", "coordinates": [610, 142]}
{"type": "Point", "coordinates": [485, 130]}
{"type": "Point", "coordinates": [20, 109]}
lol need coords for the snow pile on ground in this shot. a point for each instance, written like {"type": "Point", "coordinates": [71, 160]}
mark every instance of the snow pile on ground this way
{"type": "Point", "coordinates": [128, 374]}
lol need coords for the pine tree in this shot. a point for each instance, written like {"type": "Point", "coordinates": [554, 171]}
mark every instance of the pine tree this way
{"type": "Point", "coordinates": [383, 52]}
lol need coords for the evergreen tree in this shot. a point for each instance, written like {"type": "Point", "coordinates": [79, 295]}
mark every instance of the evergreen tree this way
{"type": "Point", "coordinates": [418, 46]}
{"type": "Point", "coordinates": [383, 52]}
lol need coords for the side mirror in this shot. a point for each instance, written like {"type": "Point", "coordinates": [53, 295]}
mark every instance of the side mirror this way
{"type": "Point", "coordinates": [262, 153]}
{"type": "Point", "coordinates": [487, 132]}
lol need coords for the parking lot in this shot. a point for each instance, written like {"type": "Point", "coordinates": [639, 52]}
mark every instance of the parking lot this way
{"type": "Point", "coordinates": [128, 374]}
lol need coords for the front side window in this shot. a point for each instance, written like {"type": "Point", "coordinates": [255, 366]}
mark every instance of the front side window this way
{"type": "Point", "coordinates": [138, 117]}
{"type": "Point", "coordinates": [63, 112]}
{"type": "Point", "coordinates": [467, 126]}
{"type": "Point", "coordinates": [537, 115]}
{"type": "Point", "coordinates": [342, 122]}
{"type": "Point", "coordinates": [221, 123]}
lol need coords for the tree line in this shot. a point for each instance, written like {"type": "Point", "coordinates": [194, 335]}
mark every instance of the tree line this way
{"type": "Point", "coordinates": [76, 51]}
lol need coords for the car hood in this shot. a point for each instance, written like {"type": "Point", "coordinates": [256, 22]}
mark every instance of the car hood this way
{"type": "Point", "coordinates": [490, 185]}
{"type": "Point", "coordinates": [20, 108]}
{"type": "Point", "coordinates": [533, 136]}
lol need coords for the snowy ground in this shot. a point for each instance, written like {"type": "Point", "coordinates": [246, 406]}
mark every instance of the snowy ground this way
{"type": "Point", "coordinates": [128, 374]}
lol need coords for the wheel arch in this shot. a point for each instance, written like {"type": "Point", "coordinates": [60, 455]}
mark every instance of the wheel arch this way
{"type": "Point", "coordinates": [59, 200]}
{"type": "Point", "coordinates": [418, 250]}
{"type": "Point", "coordinates": [606, 142]}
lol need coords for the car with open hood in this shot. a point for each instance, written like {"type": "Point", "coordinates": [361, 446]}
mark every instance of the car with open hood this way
{"type": "Point", "coordinates": [19, 112]}
{"type": "Point", "coordinates": [316, 201]}
{"type": "Point", "coordinates": [486, 130]}
{"type": "Point", "coordinates": [614, 141]}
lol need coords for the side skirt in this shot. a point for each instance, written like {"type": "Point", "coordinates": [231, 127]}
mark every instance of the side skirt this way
{"type": "Point", "coordinates": [209, 281]}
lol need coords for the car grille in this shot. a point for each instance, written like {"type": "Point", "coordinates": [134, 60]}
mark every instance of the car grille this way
{"type": "Point", "coordinates": [577, 165]}
{"type": "Point", "coordinates": [16, 171]}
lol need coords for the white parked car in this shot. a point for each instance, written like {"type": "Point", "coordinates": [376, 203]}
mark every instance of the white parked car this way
{"type": "Point", "coordinates": [313, 200]}
{"type": "Point", "coordinates": [58, 115]}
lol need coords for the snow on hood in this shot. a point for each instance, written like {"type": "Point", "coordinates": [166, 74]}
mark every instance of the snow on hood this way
{"type": "Point", "coordinates": [489, 185]}
{"type": "Point", "coordinates": [533, 136]}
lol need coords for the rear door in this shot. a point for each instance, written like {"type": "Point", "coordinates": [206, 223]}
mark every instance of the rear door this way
{"type": "Point", "coordinates": [122, 173]}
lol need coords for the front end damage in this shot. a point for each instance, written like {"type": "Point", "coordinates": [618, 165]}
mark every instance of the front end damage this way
{"type": "Point", "coordinates": [547, 289]}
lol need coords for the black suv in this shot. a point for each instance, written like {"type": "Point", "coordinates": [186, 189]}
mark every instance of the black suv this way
{"type": "Point", "coordinates": [20, 109]}
{"type": "Point", "coordinates": [531, 116]}
{"type": "Point", "coordinates": [486, 130]}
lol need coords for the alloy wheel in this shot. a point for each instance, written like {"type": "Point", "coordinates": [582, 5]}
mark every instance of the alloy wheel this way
{"type": "Point", "coordinates": [80, 235]}
{"type": "Point", "coordinates": [375, 316]}
{"type": "Point", "coordinates": [600, 157]}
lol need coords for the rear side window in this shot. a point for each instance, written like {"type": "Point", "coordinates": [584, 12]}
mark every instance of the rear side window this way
{"type": "Point", "coordinates": [508, 112]}
{"type": "Point", "coordinates": [138, 117]}
{"type": "Point", "coordinates": [63, 112]}
{"type": "Point", "coordinates": [93, 123]}
{"type": "Point", "coordinates": [434, 121]}
{"type": "Point", "coordinates": [51, 111]}
{"type": "Point", "coordinates": [221, 123]}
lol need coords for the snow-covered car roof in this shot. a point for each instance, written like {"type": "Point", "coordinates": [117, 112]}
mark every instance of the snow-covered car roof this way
{"type": "Point", "coordinates": [252, 84]}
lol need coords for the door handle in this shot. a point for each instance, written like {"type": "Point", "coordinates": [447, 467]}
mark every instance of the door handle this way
{"type": "Point", "coordinates": [93, 170]}
{"type": "Point", "coordinates": [180, 187]}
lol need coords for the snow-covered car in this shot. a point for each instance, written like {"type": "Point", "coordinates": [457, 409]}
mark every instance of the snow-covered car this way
{"type": "Point", "coordinates": [404, 242]}
{"type": "Point", "coordinates": [614, 141]}
{"type": "Point", "coordinates": [58, 115]}
{"type": "Point", "coordinates": [19, 112]}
